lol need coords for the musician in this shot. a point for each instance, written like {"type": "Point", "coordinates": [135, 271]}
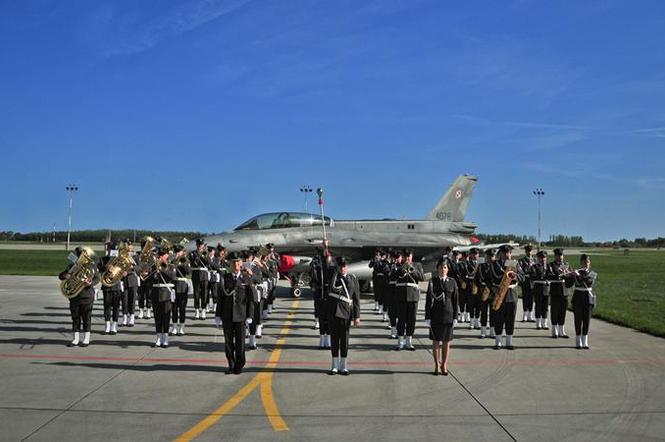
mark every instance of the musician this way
{"type": "Point", "coordinates": [381, 274]}
{"type": "Point", "coordinates": [223, 268]}
{"type": "Point", "coordinates": [272, 263]}
{"type": "Point", "coordinates": [80, 306]}
{"type": "Point", "coordinates": [378, 279]}
{"type": "Point", "coordinates": [486, 291]}
{"type": "Point", "coordinates": [561, 278]}
{"type": "Point", "coordinates": [162, 294]}
{"type": "Point", "coordinates": [213, 280]}
{"type": "Point", "coordinates": [525, 263]}
{"type": "Point", "coordinates": [505, 315]}
{"type": "Point", "coordinates": [321, 271]}
{"type": "Point", "coordinates": [145, 303]}
{"type": "Point", "coordinates": [131, 285]}
{"type": "Point", "coordinates": [235, 296]}
{"type": "Point", "coordinates": [454, 271]}
{"type": "Point", "coordinates": [343, 310]}
{"type": "Point", "coordinates": [583, 301]}
{"type": "Point", "coordinates": [182, 283]}
{"type": "Point", "coordinates": [468, 276]}
{"type": "Point", "coordinates": [408, 295]}
{"type": "Point", "coordinates": [199, 262]}
{"type": "Point", "coordinates": [441, 308]}
{"type": "Point", "coordinates": [258, 273]}
{"type": "Point", "coordinates": [391, 292]}
{"type": "Point", "coordinates": [112, 294]}
{"type": "Point", "coordinates": [540, 276]}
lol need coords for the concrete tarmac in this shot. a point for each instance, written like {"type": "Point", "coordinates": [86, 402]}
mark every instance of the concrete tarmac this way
{"type": "Point", "coordinates": [119, 388]}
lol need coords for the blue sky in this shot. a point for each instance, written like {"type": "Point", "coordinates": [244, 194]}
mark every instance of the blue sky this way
{"type": "Point", "coordinates": [196, 115]}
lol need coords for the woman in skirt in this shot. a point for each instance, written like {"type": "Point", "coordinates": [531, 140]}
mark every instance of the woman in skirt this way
{"type": "Point", "coordinates": [441, 309]}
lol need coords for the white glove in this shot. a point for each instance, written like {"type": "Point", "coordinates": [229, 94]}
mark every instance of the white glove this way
{"type": "Point", "coordinates": [172, 295]}
{"type": "Point", "coordinates": [248, 321]}
{"type": "Point", "coordinates": [454, 323]}
{"type": "Point", "coordinates": [428, 322]}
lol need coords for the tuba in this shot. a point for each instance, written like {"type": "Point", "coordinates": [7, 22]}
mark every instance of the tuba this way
{"type": "Point", "coordinates": [506, 281]}
{"type": "Point", "coordinates": [147, 258]}
{"type": "Point", "coordinates": [80, 274]}
{"type": "Point", "coordinates": [118, 267]}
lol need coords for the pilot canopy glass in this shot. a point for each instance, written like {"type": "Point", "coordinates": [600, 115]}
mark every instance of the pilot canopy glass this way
{"type": "Point", "coordinates": [282, 220]}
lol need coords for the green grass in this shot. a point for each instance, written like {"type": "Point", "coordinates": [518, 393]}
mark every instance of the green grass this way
{"type": "Point", "coordinates": [33, 262]}
{"type": "Point", "coordinates": [630, 289]}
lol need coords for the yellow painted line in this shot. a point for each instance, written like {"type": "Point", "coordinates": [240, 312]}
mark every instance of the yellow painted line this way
{"type": "Point", "coordinates": [262, 380]}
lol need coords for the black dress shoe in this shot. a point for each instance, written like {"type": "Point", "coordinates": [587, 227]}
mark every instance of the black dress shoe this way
{"type": "Point", "coordinates": [344, 372]}
{"type": "Point", "coordinates": [444, 372]}
{"type": "Point", "coordinates": [436, 372]}
{"type": "Point", "coordinates": [497, 347]}
{"type": "Point", "coordinates": [510, 347]}
{"type": "Point", "coordinates": [564, 336]}
{"type": "Point", "coordinates": [83, 345]}
{"type": "Point", "coordinates": [237, 371]}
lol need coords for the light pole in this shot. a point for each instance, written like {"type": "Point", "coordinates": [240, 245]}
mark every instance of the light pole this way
{"type": "Point", "coordinates": [71, 189]}
{"type": "Point", "coordinates": [539, 193]}
{"type": "Point", "coordinates": [306, 190]}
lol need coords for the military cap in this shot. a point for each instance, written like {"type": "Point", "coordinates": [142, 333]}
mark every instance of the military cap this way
{"type": "Point", "coordinates": [474, 251]}
{"type": "Point", "coordinates": [558, 251]}
{"type": "Point", "coordinates": [489, 252]}
{"type": "Point", "coordinates": [341, 261]}
{"type": "Point", "coordinates": [220, 248]}
{"type": "Point", "coordinates": [541, 254]}
{"type": "Point", "coordinates": [528, 247]}
{"type": "Point", "coordinates": [162, 251]}
{"type": "Point", "coordinates": [235, 256]}
{"type": "Point", "coordinates": [178, 248]}
{"type": "Point", "coordinates": [505, 248]}
{"type": "Point", "coordinates": [200, 242]}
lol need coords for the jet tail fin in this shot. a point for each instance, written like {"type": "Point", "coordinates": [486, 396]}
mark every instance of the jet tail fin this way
{"type": "Point", "coordinates": [452, 206]}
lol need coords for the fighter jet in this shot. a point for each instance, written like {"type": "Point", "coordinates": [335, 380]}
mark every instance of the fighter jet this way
{"type": "Point", "coordinates": [298, 235]}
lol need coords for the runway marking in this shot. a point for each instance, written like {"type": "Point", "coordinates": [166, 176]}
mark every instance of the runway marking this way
{"type": "Point", "coordinates": [271, 364]}
{"type": "Point", "coordinates": [262, 380]}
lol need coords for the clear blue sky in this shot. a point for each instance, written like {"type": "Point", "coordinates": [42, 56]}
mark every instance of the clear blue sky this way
{"type": "Point", "coordinates": [197, 115]}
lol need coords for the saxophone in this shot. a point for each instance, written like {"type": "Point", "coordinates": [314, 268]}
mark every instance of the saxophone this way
{"type": "Point", "coordinates": [118, 266]}
{"type": "Point", "coordinates": [80, 274]}
{"type": "Point", "coordinates": [508, 277]}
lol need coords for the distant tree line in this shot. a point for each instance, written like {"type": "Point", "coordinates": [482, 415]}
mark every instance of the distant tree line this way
{"type": "Point", "coordinates": [573, 241]}
{"type": "Point", "coordinates": [92, 236]}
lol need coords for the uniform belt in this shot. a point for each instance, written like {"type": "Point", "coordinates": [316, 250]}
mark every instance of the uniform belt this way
{"type": "Point", "coordinates": [163, 285]}
{"type": "Point", "coordinates": [512, 286]}
{"type": "Point", "coordinates": [203, 269]}
{"type": "Point", "coordinates": [583, 289]}
{"type": "Point", "coordinates": [182, 279]}
{"type": "Point", "coordinates": [392, 283]}
{"type": "Point", "coordinates": [541, 282]}
{"type": "Point", "coordinates": [340, 297]}
{"type": "Point", "coordinates": [380, 274]}
{"type": "Point", "coordinates": [407, 284]}
{"type": "Point", "coordinates": [556, 281]}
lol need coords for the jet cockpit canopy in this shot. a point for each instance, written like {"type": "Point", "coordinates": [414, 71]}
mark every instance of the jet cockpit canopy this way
{"type": "Point", "coordinates": [283, 220]}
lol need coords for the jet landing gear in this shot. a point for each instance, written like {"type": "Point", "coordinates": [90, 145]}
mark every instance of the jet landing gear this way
{"type": "Point", "coordinates": [298, 282]}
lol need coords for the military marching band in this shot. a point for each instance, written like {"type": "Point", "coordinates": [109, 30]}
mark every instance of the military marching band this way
{"type": "Point", "coordinates": [238, 291]}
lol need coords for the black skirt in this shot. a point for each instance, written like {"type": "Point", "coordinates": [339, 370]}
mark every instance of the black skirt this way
{"type": "Point", "coordinates": [441, 332]}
